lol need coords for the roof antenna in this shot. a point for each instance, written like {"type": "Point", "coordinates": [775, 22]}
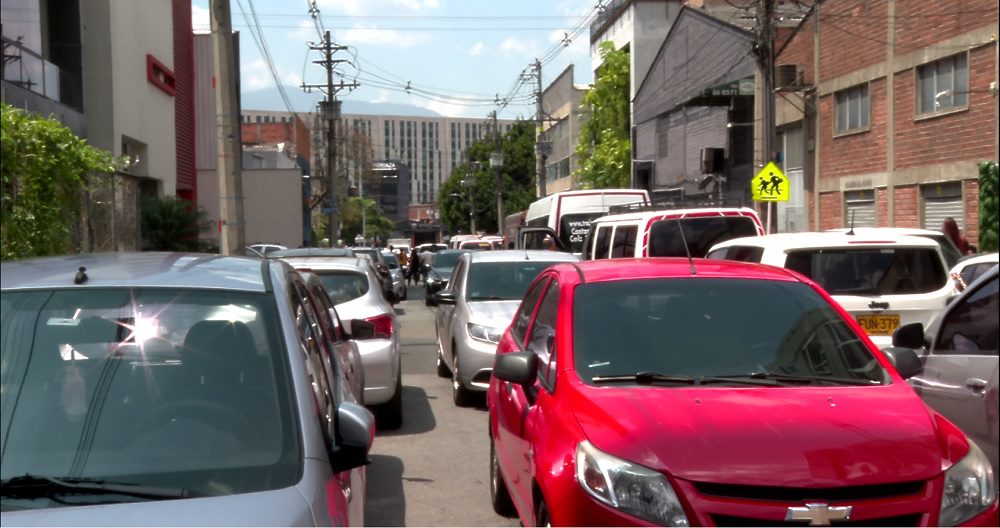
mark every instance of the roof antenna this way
{"type": "Point", "coordinates": [686, 248]}
{"type": "Point", "coordinates": [851, 232]}
{"type": "Point", "coordinates": [81, 276]}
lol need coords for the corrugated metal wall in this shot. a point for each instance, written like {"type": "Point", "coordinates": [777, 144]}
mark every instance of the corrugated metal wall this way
{"type": "Point", "coordinates": [184, 116]}
{"type": "Point", "coordinates": [206, 153]}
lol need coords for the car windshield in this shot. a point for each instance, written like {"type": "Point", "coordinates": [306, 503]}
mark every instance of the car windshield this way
{"type": "Point", "coordinates": [446, 259]}
{"type": "Point", "coordinates": [344, 285]}
{"type": "Point", "coordinates": [877, 271]}
{"type": "Point", "coordinates": [704, 327]}
{"type": "Point", "coordinates": [701, 234]}
{"type": "Point", "coordinates": [502, 281]}
{"type": "Point", "coordinates": [391, 260]}
{"type": "Point", "coordinates": [153, 387]}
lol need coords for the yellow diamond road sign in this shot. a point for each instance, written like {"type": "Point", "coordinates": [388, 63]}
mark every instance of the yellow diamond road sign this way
{"type": "Point", "coordinates": [770, 185]}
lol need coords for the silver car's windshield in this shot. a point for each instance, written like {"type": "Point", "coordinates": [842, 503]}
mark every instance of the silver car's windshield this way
{"type": "Point", "coordinates": [168, 388]}
{"type": "Point", "coordinates": [502, 281]}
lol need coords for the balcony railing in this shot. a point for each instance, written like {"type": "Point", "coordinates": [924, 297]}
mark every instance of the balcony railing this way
{"type": "Point", "coordinates": [27, 69]}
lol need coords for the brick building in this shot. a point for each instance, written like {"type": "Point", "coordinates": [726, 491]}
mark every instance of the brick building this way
{"type": "Point", "coordinates": [884, 108]}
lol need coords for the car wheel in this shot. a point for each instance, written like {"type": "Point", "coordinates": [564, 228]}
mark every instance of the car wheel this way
{"type": "Point", "coordinates": [390, 414]}
{"type": "Point", "coordinates": [441, 367]}
{"type": "Point", "coordinates": [542, 514]}
{"type": "Point", "coordinates": [461, 395]}
{"type": "Point", "coordinates": [499, 494]}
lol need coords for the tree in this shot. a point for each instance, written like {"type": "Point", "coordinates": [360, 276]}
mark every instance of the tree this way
{"type": "Point", "coordinates": [989, 204]}
{"type": "Point", "coordinates": [351, 220]}
{"type": "Point", "coordinates": [604, 150]}
{"type": "Point", "coordinates": [44, 167]}
{"type": "Point", "coordinates": [517, 180]}
{"type": "Point", "coordinates": [171, 223]}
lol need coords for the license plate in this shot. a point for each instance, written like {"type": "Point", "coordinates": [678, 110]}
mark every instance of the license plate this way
{"type": "Point", "coordinates": [880, 325]}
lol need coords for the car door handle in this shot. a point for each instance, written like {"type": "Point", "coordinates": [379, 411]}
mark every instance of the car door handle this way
{"type": "Point", "coordinates": [976, 385]}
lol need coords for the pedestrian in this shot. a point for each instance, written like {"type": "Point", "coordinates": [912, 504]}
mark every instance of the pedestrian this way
{"type": "Point", "coordinates": [414, 265]}
{"type": "Point", "coordinates": [950, 228]}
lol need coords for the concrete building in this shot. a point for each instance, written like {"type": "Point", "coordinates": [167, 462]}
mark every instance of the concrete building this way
{"type": "Point", "coordinates": [887, 107]}
{"type": "Point", "coordinates": [561, 102]}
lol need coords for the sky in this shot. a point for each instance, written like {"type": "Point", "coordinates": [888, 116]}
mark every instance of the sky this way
{"type": "Point", "coordinates": [458, 56]}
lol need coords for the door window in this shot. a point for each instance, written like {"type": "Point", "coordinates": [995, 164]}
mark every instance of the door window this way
{"type": "Point", "coordinates": [314, 347]}
{"type": "Point", "coordinates": [527, 308]}
{"type": "Point", "coordinates": [542, 338]}
{"type": "Point", "coordinates": [971, 327]}
{"type": "Point", "coordinates": [623, 245]}
{"type": "Point", "coordinates": [602, 241]}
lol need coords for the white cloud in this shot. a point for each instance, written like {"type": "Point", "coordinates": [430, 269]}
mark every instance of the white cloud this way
{"type": "Point", "coordinates": [388, 37]}
{"type": "Point", "coordinates": [477, 49]}
{"type": "Point", "coordinates": [255, 76]}
{"type": "Point", "coordinates": [446, 109]}
{"type": "Point", "coordinates": [200, 19]}
{"type": "Point", "coordinates": [382, 97]}
{"type": "Point", "coordinates": [306, 32]}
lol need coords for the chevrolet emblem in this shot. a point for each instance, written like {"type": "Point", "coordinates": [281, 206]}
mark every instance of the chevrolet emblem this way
{"type": "Point", "coordinates": [818, 513]}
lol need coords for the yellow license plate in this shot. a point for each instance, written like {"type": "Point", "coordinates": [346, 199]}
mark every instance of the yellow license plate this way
{"type": "Point", "coordinates": [880, 325]}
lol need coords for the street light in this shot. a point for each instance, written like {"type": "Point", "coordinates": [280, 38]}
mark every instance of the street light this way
{"type": "Point", "coordinates": [496, 160]}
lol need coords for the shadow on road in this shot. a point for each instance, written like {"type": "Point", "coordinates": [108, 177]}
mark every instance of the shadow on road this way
{"type": "Point", "coordinates": [385, 504]}
{"type": "Point", "coordinates": [417, 414]}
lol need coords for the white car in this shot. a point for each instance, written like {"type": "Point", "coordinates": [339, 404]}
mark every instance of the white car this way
{"type": "Point", "coordinates": [970, 269]}
{"type": "Point", "coordinates": [354, 288]}
{"type": "Point", "coordinates": [883, 282]}
{"type": "Point", "coordinates": [948, 248]}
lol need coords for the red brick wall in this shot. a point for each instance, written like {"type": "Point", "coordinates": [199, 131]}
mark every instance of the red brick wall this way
{"type": "Point", "coordinates": [920, 23]}
{"type": "Point", "coordinates": [963, 135]}
{"type": "Point", "coordinates": [881, 207]}
{"type": "Point", "coordinates": [972, 211]}
{"type": "Point", "coordinates": [831, 214]}
{"type": "Point", "coordinates": [857, 153]}
{"type": "Point", "coordinates": [907, 206]}
{"type": "Point", "coordinates": [799, 51]}
{"type": "Point", "coordinates": [852, 35]}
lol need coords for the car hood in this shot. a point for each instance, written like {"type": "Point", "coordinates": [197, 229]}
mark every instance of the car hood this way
{"type": "Point", "coordinates": [497, 314]}
{"type": "Point", "coordinates": [784, 436]}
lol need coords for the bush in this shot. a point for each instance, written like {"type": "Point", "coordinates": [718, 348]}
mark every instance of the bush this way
{"type": "Point", "coordinates": [989, 198]}
{"type": "Point", "coordinates": [172, 224]}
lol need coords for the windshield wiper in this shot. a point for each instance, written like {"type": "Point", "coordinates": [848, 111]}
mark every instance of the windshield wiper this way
{"type": "Point", "coordinates": [643, 378]}
{"type": "Point", "coordinates": [34, 486]}
{"type": "Point", "coordinates": [790, 378]}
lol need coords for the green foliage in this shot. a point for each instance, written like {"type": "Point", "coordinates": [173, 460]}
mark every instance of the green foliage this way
{"type": "Point", "coordinates": [604, 150]}
{"type": "Point", "coordinates": [989, 200]}
{"type": "Point", "coordinates": [351, 219]}
{"type": "Point", "coordinates": [44, 168]}
{"type": "Point", "coordinates": [172, 224]}
{"type": "Point", "coordinates": [517, 181]}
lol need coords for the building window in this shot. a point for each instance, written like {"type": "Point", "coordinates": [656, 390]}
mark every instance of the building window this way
{"type": "Point", "coordinates": [852, 109]}
{"type": "Point", "coordinates": [860, 208]}
{"type": "Point", "coordinates": [943, 85]}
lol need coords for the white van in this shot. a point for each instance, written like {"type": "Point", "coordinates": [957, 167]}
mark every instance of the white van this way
{"type": "Point", "coordinates": [569, 213]}
{"type": "Point", "coordinates": [657, 233]}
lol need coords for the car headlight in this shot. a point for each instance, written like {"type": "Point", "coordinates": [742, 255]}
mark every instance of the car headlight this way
{"type": "Point", "coordinates": [969, 488]}
{"type": "Point", "coordinates": [488, 334]}
{"type": "Point", "coordinates": [628, 487]}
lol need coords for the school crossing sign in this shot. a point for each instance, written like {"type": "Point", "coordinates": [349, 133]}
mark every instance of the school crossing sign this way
{"type": "Point", "coordinates": [770, 185]}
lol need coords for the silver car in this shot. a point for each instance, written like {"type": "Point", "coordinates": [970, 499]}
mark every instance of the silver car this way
{"type": "Point", "coordinates": [396, 273]}
{"type": "Point", "coordinates": [959, 373]}
{"type": "Point", "coordinates": [354, 288]}
{"type": "Point", "coordinates": [176, 389]}
{"type": "Point", "coordinates": [479, 303]}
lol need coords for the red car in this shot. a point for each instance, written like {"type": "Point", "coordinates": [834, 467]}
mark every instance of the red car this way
{"type": "Point", "coordinates": [676, 392]}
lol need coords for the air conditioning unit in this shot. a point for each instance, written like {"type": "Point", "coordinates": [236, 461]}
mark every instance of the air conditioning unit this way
{"type": "Point", "coordinates": [786, 76]}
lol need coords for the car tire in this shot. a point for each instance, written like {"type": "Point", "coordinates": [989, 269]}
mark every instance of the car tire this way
{"type": "Point", "coordinates": [461, 395]}
{"type": "Point", "coordinates": [442, 368]}
{"type": "Point", "coordinates": [390, 413]}
{"type": "Point", "coordinates": [499, 494]}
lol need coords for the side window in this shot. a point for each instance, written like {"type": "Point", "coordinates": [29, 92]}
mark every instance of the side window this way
{"type": "Point", "coordinates": [335, 329]}
{"type": "Point", "coordinates": [455, 282]}
{"type": "Point", "coordinates": [526, 310]}
{"type": "Point", "coordinates": [602, 241]}
{"type": "Point", "coordinates": [542, 337]}
{"type": "Point", "coordinates": [623, 245]}
{"type": "Point", "coordinates": [971, 328]}
{"type": "Point", "coordinates": [739, 253]}
{"type": "Point", "coordinates": [313, 346]}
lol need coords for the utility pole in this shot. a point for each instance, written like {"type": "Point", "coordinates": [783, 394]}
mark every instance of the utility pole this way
{"type": "Point", "coordinates": [765, 65]}
{"type": "Point", "coordinates": [496, 160]}
{"type": "Point", "coordinates": [469, 184]}
{"type": "Point", "coordinates": [330, 109]}
{"type": "Point", "coordinates": [542, 146]}
{"type": "Point", "coordinates": [232, 237]}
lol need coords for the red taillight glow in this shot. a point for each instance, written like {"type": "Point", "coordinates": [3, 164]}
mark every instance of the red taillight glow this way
{"type": "Point", "coordinates": [383, 325]}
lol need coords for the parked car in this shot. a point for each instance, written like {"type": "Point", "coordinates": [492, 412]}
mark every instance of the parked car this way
{"type": "Point", "coordinates": [657, 233]}
{"type": "Point", "coordinates": [174, 388]}
{"type": "Point", "coordinates": [948, 248]}
{"type": "Point", "coordinates": [883, 281]}
{"type": "Point", "coordinates": [382, 268]}
{"type": "Point", "coordinates": [484, 292]}
{"type": "Point", "coordinates": [337, 337]}
{"type": "Point", "coordinates": [645, 392]}
{"type": "Point", "coordinates": [959, 374]}
{"type": "Point", "coordinates": [353, 287]}
{"type": "Point", "coordinates": [971, 268]}
{"type": "Point", "coordinates": [265, 249]}
{"type": "Point", "coordinates": [396, 274]}
{"type": "Point", "coordinates": [439, 272]}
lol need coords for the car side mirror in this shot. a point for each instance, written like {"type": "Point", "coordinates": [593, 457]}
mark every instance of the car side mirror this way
{"type": "Point", "coordinates": [361, 329]}
{"type": "Point", "coordinates": [909, 336]}
{"type": "Point", "coordinates": [905, 361]}
{"type": "Point", "coordinates": [516, 367]}
{"type": "Point", "coordinates": [353, 436]}
{"type": "Point", "coordinates": [445, 297]}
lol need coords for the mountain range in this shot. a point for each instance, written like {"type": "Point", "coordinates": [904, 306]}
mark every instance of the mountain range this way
{"type": "Point", "coordinates": [270, 99]}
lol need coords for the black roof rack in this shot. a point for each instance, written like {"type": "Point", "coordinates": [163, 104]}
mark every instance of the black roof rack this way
{"type": "Point", "coordinates": [673, 202]}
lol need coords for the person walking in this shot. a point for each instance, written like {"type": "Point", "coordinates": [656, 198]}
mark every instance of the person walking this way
{"type": "Point", "coordinates": [414, 265]}
{"type": "Point", "coordinates": [950, 228]}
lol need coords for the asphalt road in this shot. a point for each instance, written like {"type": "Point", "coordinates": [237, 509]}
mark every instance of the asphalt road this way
{"type": "Point", "coordinates": [434, 470]}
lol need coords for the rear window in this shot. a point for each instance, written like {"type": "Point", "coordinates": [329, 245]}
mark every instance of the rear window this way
{"type": "Point", "coordinates": [877, 271]}
{"type": "Point", "coordinates": [344, 286]}
{"type": "Point", "coordinates": [701, 233]}
{"type": "Point", "coordinates": [502, 281]}
{"type": "Point", "coordinates": [391, 260]}
{"type": "Point", "coordinates": [738, 253]}
{"type": "Point", "coordinates": [697, 327]}
{"type": "Point", "coordinates": [446, 260]}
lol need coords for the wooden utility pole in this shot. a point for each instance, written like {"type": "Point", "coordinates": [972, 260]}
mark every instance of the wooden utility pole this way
{"type": "Point", "coordinates": [765, 63]}
{"type": "Point", "coordinates": [542, 146]}
{"type": "Point", "coordinates": [232, 236]}
{"type": "Point", "coordinates": [496, 161]}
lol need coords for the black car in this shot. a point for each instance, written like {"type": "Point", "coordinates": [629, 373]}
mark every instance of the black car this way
{"type": "Point", "coordinates": [440, 271]}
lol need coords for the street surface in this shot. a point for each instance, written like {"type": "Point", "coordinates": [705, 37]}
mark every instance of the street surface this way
{"type": "Point", "coordinates": [434, 470]}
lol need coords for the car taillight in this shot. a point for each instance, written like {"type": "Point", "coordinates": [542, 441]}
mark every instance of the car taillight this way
{"type": "Point", "coordinates": [383, 325]}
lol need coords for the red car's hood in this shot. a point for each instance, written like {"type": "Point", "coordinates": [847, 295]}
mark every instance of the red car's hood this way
{"type": "Point", "coordinates": [786, 436]}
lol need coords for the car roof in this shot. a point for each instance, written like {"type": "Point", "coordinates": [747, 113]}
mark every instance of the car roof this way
{"type": "Point", "coordinates": [312, 252]}
{"type": "Point", "coordinates": [329, 263]}
{"type": "Point", "coordinates": [608, 270]}
{"type": "Point", "coordinates": [984, 258]}
{"type": "Point", "coordinates": [899, 231]}
{"type": "Point", "coordinates": [785, 241]}
{"type": "Point", "coordinates": [520, 255]}
{"type": "Point", "coordinates": [676, 213]}
{"type": "Point", "coordinates": [146, 269]}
